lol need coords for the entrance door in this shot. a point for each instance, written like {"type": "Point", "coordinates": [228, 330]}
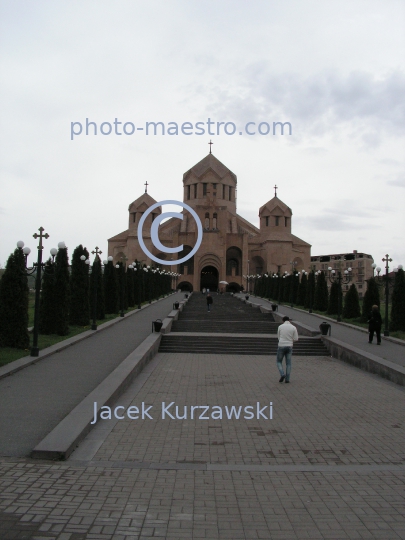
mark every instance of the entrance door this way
{"type": "Point", "coordinates": [209, 278]}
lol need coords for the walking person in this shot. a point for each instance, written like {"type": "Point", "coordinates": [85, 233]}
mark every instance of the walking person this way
{"type": "Point", "coordinates": [287, 334]}
{"type": "Point", "coordinates": [209, 301]}
{"type": "Point", "coordinates": [374, 325]}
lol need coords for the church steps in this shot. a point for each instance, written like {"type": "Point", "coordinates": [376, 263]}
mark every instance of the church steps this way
{"type": "Point", "coordinates": [231, 328]}
{"type": "Point", "coordinates": [236, 345]}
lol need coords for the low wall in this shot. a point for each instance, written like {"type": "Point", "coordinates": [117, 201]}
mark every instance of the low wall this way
{"type": "Point", "coordinates": [364, 360]}
{"type": "Point", "coordinates": [64, 438]}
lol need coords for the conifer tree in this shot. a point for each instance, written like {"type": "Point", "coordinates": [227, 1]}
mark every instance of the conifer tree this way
{"type": "Point", "coordinates": [79, 313]}
{"type": "Point", "coordinates": [371, 298]}
{"type": "Point", "coordinates": [333, 306]}
{"type": "Point", "coordinates": [47, 315]}
{"type": "Point", "coordinates": [398, 302]}
{"type": "Point", "coordinates": [295, 286]}
{"type": "Point", "coordinates": [351, 308]}
{"type": "Point", "coordinates": [286, 288]}
{"type": "Point", "coordinates": [130, 287]}
{"type": "Point", "coordinates": [111, 288]}
{"type": "Point", "coordinates": [310, 294]}
{"type": "Point", "coordinates": [62, 292]}
{"type": "Point", "coordinates": [14, 303]}
{"type": "Point", "coordinates": [321, 293]}
{"type": "Point", "coordinates": [302, 290]}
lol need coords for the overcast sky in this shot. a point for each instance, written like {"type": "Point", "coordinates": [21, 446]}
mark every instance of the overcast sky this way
{"type": "Point", "coordinates": [334, 70]}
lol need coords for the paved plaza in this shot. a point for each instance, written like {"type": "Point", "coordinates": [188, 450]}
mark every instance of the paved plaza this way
{"type": "Point", "coordinates": [330, 464]}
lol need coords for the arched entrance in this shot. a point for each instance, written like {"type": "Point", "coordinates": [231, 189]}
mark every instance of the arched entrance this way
{"type": "Point", "coordinates": [185, 286]}
{"type": "Point", "coordinates": [233, 287]}
{"type": "Point", "coordinates": [209, 278]}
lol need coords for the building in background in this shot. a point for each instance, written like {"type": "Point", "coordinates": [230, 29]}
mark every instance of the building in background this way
{"type": "Point", "coordinates": [360, 263]}
{"type": "Point", "coordinates": [231, 247]}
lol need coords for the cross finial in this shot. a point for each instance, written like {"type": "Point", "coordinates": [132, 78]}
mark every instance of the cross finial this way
{"type": "Point", "coordinates": [96, 252]}
{"type": "Point", "coordinates": [146, 186]}
{"type": "Point", "coordinates": [40, 236]}
{"type": "Point", "coordinates": [386, 259]}
{"type": "Point", "coordinates": [210, 143]}
{"type": "Point", "coordinates": [275, 191]}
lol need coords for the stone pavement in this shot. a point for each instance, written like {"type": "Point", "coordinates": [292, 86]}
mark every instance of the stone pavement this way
{"type": "Point", "coordinates": [388, 350]}
{"type": "Point", "coordinates": [330, 464]}
{"type": "Point", "coordinates": [34, 400]}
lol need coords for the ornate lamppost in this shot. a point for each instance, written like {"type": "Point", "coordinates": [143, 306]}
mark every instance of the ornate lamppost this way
{"type": "Point", "coordinates": [97, 253]}
{"type": "Point", "coordinates": [337, 277]}
{"type": "Point", "coordinates": [387, 280]}
{"type": "Point", "coordinates": [37, 267]}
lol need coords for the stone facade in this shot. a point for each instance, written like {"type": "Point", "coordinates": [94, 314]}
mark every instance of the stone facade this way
{"type": "Point", "coordinates": [231, 247]}
{"type": "Point", "coordinates": [360, 263]}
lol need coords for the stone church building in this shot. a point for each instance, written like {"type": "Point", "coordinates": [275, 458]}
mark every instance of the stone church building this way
{"type": "Point", "coordinates": [231, 247]}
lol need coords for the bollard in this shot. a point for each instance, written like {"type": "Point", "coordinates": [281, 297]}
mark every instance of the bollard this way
{"type": "Point", "coordinates": [157, 325]}
{"type": "Point", "coordinates": [325, 328]}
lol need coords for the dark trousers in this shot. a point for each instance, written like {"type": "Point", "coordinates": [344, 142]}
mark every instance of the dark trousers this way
{"type": "Point", "coordinates": [371, 334]}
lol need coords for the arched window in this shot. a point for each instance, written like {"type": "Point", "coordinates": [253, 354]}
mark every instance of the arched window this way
{"type": "Point", "coordinates": [214, 221]}
{"type": "Point", "coordinates": [207, 220]}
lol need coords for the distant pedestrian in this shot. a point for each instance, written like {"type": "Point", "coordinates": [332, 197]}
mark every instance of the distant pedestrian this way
{"type": "Point", "coordinates": [374, 325]}
{"type": "Point", "coordinates": [209, 301]}
{"type": "Point", "coordinates": [287, 334]}
{"type": "Point", "coordinates": [203, 291]}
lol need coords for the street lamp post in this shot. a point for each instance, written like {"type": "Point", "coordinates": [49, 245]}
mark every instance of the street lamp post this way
{"type": "Point", "coordinates": [385, 278]}
{"type": "Point", "coordinates": [37, 267]}
{"type": "Point", "coordinates": [339, 279]}
{"type": "Point", "coordinates": [97, 253]}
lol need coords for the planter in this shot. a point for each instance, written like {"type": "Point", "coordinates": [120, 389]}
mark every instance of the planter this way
{"type": "Point", "coordinates": [157, 325]}
{"type": "Point", "coordinates": [325, 328]}
{"type": "Point", "coordinates": [247, 297]}
{"type": "Point", "coordinates": [176, 305]}
{"type": "Point", "coordinates": [274, 307]}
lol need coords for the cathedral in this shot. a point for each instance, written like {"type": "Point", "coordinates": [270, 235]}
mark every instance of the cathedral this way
{"type": "Point", "coordinates": [231, 248]}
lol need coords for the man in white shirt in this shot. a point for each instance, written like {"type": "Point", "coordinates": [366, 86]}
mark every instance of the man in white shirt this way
{"type": "Point", "coordinates": [287, 334]}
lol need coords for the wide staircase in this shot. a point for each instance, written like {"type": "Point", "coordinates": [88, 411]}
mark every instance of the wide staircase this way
{"type": "Point", "coordinates": [221, 331]}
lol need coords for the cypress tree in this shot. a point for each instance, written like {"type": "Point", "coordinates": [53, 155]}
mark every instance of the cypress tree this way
{"type": "Point", "coordinates": [371, 298]}
{"type": "Point", "coordinates": [286, 288]}
{"type": "Point", "coordinates": [321, 293]}
{"type": "Point", "coordinates": [302, 290]}
{"type": "Point", "coordinates": [335, 291]}
{"type": "Point", "coordinates": [130, 287]}
{"type": "Point", "coordinates": [96, 280]}
{"type": "Point", "coordinates": [398, 302]}
{"type": "Point", "coordinates": [62, 292]}
{"type": "Point", "coordinates": [111, 288]}
{"type": "Point", "coordinates": [295, 285]}
{"type": "Point", "coordinates": [79, 313]}
{"type": "Point", "coordinates": [310, 294]}
{"type": "Point", "coordinates": [351, 308]}
{"type": "Point", "coordinates": [47, 315]}
{"type": "Point", "coordinates": [14, 303]}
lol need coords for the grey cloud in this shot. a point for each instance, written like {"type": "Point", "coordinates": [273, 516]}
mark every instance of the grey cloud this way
{"type": "Point", "coordinates": [370, 107]}
{"type": "Point", "coordinates": [398, 181]}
